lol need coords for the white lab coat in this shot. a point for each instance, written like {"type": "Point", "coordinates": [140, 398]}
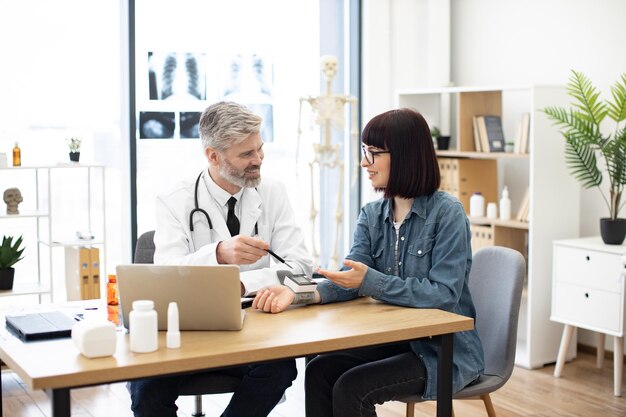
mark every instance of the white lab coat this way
{"type": "Point", "coordinates": [267, 206]}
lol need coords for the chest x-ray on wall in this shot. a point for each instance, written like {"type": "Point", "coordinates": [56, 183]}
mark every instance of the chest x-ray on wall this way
{"type": "Point", "coordinates": [178, 80]}
{"type": "Point", "coordinates": [190, 55]}
{"type": "Point", "coordinates": [173, 75]}
{"type": "Point", "coordinates": [248, 79]}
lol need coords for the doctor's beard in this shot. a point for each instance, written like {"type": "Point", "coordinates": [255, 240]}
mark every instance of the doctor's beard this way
{"type": "Point", "coordinates": [238, 177]}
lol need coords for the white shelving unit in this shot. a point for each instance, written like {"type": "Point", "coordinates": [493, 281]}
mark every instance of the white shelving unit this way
{"type": "Point", "coordinates": [43, 214]}
{"type": "Point", "coordinates": [554, 193]}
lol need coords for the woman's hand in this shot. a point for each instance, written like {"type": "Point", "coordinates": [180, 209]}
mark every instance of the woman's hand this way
{"type": "Point", "coordinates": [351, 278]}
{"type": "Point", "coordinates": [273, 299]}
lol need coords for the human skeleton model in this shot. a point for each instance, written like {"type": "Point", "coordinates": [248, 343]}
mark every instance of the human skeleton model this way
{"type": "Point", "coordinates": [329, 111]}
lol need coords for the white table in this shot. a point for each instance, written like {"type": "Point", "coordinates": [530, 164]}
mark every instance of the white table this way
{"type": "Point", "coordinates": [588, 292]}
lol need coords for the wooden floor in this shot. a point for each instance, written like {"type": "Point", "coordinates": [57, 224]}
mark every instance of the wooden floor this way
{"type": "Point", "coordinates": [583, 390]}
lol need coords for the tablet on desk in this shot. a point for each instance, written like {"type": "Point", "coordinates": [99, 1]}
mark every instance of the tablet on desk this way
{"type": "Point", "coordinates": [40, 326]}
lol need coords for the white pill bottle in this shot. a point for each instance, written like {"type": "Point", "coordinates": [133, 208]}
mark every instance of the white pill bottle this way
{"type": "Point", "coordinates": [143, 327]}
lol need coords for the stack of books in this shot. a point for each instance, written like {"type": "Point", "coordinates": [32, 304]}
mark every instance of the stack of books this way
{"type": "Point", "coordinates": [488, 133]}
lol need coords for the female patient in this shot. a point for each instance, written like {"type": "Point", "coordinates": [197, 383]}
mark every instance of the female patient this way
{"type": "Point", "coordinates": [411, 248]}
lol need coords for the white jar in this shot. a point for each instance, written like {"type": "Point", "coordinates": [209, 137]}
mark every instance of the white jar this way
{"type": "Point", "coordinates": [492, 210]}
{"type": "Point", "coordinates": [477, 205]}
{"type": "Point", "coordinates": [143, 328]}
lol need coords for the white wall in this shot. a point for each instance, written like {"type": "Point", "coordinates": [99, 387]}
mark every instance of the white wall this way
{"type": "Point", "coordinates": [406, 44]}
{"type": "Point", "coordinates": [495, 42]}
{"type": "Point", "coordinates": [539, 42]}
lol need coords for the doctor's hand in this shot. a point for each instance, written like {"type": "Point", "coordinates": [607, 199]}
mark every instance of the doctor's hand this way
{"type": "Point", "coordinates": [350, 278]}
{"type": "Point", "coordinates": [241, 250]}
{"type": "Point", "coordinates": [273, 299]}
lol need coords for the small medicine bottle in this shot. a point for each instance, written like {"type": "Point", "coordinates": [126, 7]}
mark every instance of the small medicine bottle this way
{"type": "Point", "coordinates": [113, 308]}
{"type": "Point", "coordinates": [505, 205]}
{"type": "Point", "coordinates": [17, 156]}
{"type": "Point", "coordinates": [143, 327]}
{"type": "Point", "coordinates": [477, 205]}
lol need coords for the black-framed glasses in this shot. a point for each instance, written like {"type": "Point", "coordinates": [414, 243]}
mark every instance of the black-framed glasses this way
{"type": "Point", "coordinates": [369, 155]}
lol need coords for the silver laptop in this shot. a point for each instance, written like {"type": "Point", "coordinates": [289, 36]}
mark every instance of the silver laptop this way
{"type": "Point", "coordinates": [208, 297]}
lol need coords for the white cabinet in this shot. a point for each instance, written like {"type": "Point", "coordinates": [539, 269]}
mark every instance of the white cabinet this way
{"type": "Point", "coordinates": [554, 193]}
{"type": "Point", "coordinates": [588, 292]}
{"type": "Point", "coordinates": [48, 223]}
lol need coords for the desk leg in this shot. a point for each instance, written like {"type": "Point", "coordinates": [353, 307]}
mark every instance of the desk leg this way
{"type": "Point", "coordinates": [568, 331]}
{"type": "Point", "coordinates": [618, 365]}
{"type": "Point", "coordinates": [444, 376]}
{"type": "Point", "coordinates": [60, 399]}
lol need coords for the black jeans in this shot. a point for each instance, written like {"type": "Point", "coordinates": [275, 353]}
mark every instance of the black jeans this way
{"type": "Point", "coordinates": [350, 384]}
{"type": "Point", "coordinates": [262, 386]}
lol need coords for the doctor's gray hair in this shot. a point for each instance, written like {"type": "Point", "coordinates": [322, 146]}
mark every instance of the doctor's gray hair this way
{"type": "Point", "coordinates": [227, 123]}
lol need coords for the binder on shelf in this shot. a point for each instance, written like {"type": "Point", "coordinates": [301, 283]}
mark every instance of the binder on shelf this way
{"type": "Point", "coordinates": [77, 273]}
{"type": "Point", "coordinates": [82, 273]}
{"type": "Point", "coordinates": [94, 258]}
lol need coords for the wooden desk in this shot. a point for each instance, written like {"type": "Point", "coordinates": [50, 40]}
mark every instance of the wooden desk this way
{"type": "Point", "coordinates": [57, 366]}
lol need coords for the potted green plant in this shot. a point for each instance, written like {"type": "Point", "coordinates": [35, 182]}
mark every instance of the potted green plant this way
{"type": "Point", "coordinates": [443, 142]}
{"type": "Point", "coordinates": [74, 145]}
{"type": "Point", "coordinates": [10, 253]}
{"type": "Point", "coordinates": [585, 142]}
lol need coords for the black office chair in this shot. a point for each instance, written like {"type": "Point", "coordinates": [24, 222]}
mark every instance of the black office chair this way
{"type": "Point", "coordinates": [198, 385]}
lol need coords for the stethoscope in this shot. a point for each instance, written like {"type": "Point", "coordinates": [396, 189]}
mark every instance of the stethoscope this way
{"type": "Point", "coordinates": [197, 209]}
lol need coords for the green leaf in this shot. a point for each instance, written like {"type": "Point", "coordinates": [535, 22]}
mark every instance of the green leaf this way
{"type": "Point", "coordinates": [587, 96]}
{"type": "Point", "coordinates": [617, 108]}
{"type": "Point", "coordinates": [581, 159]}
{"type": "Point", "coordinates": [10, 253]}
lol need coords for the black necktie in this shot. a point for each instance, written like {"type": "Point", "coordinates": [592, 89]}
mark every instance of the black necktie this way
{"type": "Point", "coordinates": [231, 220]}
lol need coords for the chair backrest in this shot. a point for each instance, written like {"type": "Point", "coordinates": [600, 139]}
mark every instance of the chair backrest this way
{"type": "Point", "coordinates": [144, 250]}
{"type": "Point", "coordinates": [495, 282]}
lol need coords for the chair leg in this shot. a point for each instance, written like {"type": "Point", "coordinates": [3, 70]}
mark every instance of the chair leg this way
{"type": "Point", "coordinates": [410, 409]}
{"type": "Point", "coordinates": [491, 412]}
{"type": "Point", "coordinates": [198, 411]}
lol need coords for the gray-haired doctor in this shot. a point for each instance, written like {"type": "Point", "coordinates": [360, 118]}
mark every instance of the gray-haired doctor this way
{"type": "Point", "coordinates": [227, 215]}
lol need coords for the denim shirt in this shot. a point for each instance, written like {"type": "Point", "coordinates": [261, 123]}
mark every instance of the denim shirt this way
{"type": "Point", "coordinates": [435, 257]}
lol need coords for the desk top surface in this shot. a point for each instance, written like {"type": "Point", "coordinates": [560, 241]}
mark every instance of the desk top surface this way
{"type": "Point", "coordinates": [296, 332]}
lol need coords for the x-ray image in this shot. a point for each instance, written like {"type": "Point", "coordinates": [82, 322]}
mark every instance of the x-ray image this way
{"type": "Point", "coordinates": [189, 125]}
{"type": "Point", "coordinates": [156, 125]}
{"type": "Point", "coordinates": [266, 111]}
{"type": "Point", "coordinates": [248, 74]}
{"type": "Point", "coordinates": [248, 79]}
{"type": "Point", "coordinates": [176, 76]}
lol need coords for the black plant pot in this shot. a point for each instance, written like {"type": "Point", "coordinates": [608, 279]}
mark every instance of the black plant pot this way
{"type": "Point", "coordinates": [74, 156]}
{"type": "Point", "coordinates": [6, 278]}
{"type": "Point", "coordinates": [613, 231]}
{"type": "Point", "coordinates": [443, 142]}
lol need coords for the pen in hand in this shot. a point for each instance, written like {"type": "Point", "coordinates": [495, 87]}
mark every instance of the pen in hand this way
{"type": "Point", "coordinates": [278, 258]}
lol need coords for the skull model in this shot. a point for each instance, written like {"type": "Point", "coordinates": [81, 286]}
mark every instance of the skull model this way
{"type": "Point", "coordinates": [329, 66]}
{"type": "Point", "coordinates": [13, 197]}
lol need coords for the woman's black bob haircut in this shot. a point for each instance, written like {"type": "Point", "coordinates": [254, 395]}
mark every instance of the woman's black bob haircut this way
{"type": "Point", "coordinates": [414, 171]}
